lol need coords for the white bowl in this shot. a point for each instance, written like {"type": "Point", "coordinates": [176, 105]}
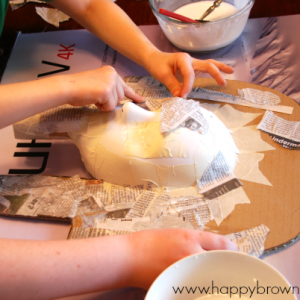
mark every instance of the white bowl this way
{"type": "Point", "coordinates": [203, 37]}
{"type": "Point", "coordinates": [227, 271]}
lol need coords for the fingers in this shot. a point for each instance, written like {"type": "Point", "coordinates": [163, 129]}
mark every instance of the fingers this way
{"type": "Point", "coordinates": [115, 93]}
{"type": "Point", "coordinates": [189, 68]}
{"type": "Point", "coordinates": [211, 241]}
{"type": "Point", "coordinates": [214, 68]}
{"type": "Point", "coordinates": [188, 74]}
{"type": "Point", "coordinates": [130, 93]}
{"type": "Point", "coordinates": [172, 84]}
{"type": "Point", "coordinates": [222, 67]}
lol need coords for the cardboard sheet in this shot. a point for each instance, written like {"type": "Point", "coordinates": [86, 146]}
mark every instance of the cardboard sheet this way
{"type": "Point", "coordinates": [275, 206]}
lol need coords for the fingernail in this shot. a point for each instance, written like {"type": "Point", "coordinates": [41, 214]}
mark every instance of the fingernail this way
{"type": "Point", "coordinates": [176, 93]}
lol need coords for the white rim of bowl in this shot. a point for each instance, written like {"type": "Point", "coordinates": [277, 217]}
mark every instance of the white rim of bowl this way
{"type": "Point", "coordinates": [221, 251]}
{"type": "Point", "coordinates": [169, 19]}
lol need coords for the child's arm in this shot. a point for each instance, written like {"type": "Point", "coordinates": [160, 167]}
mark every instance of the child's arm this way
{"type": "Point", "coordinates": [102, 87]}
{"type": "Point", "coordinates": [111, 24]}
{"type": "Point", "coordinates": [53, 269]}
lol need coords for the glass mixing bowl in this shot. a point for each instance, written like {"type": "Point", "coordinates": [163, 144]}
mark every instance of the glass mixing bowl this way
{"type": "Point", "coordinates": [202, 37]}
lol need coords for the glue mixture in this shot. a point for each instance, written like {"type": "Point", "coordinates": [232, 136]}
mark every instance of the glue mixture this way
{"type": "Point", "coordinates": [197, 9]}
{"type": "Point", "coordinates": [226, 24]}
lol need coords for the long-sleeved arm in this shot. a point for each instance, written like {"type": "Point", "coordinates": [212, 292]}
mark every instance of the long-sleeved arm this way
{"type": "Point", "coordinates": [111, 24]}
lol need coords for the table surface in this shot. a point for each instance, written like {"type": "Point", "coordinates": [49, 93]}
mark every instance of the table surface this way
{"type": "Point", "coordinates": [25, 19]}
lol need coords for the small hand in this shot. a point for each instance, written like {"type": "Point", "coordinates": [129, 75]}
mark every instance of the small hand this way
{"type": "Point", "coordinates": [165, 65]}
{"type": "Point", "coordinates": [155, 250]}
{"type": "Point", "coordinates": [102, 87]}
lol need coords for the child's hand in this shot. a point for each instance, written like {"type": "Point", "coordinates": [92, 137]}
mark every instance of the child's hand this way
{"type": "Point", "coordinates": [163, 67]}
{"type": "Point", "coordinates": [152, 251]}
{"type": "Point", "coordinates": [102, 87]}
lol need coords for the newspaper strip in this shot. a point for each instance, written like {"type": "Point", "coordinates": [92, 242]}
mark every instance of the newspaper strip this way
{"type": "Point", "coordinates": [193, 209]}
{"type": "Point", "coordinates": [138, 224]}
{"type": "Point", "coordinates": [244, 245]}
{"type": "Point", "coordinates": [98, 192]}
{"type": "Point", "coordinates": [146, 86]}
{"type": "Point", "coordinates": [126, 193]}
{"type": "Point", "coordinates": [61, 119]}
{"type": "Point", "coordinates": [185, 113]}
{"type": "Point", "coordinates": [58, 207]}
{"type": "Point", "coordinates": [88, 220]}
{"type": "Point", "coordinates": [140, 207]}
{"type": "Point", "coordinates": [259, 97]}
{"type": "Point", "coordinates": [256, 235]}
{"type": "Point", "coordinates": [120, 224]}
{"type": "Point", "coordinates": [30, 207]}
{"type": "Point", "coordinates": [218, 179]}
{"type": "Point", "coordinates": [117, 214]}
{"type": "Point", "coordinates": [160, 206]}
{"type": "Point", "coordinates": [169, 221]}
{"type": "Point", "coordinates": [80, 233]}
{"type": "Point", "coordinates": [10, 191]}
{"type": "Point", "coordinates": [152, 89]}
{"type": "Point", "coordinates": [89, 205]}
{"type": "Point", "coordinates": [154, 104]}
{"type": "Point", "coordinates": [285, 133]}
{"type": "Point", "coordinates": [71, 184]}
{"type": "Point", "coordinates": [202, 93]}
{"type": "Point", "coordinates": [120, 197]}
{"type": "Point", "coordinates": [20, 185]}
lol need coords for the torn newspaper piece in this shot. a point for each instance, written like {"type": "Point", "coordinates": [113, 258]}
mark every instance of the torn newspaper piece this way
{"type": "Point", "coordinates": [52, 15]}
{"type": "Point", "coordinates": [62, 206]}
{"type": "Point", "coordinates": [177, 112]}
{"type": "Point", "coordinates": [256, 235]}
{"type": "Point", "coordinates": [80, 233]}
{"type": "Point", "coordinates": [259, 97]}
{"type": "Point", "coordinates": [217, 179]}
{"type": "Point", "coordinates": [193, 209]}
{"type": "Point", "coordinates": [62, 119]}
{"type": "Point", "coordinates": [285, 133]}
{"type": "Point", "coordinates": [142, 205]}
{"type": "Point", "coordinates": [244, 245]}
{"type": "Point", "coordinates": [207, 94]}
{"type": "Point", "coordinates": [120, 224]}
{"type": "Point", "coordinates": [146, 86]}
{"type": "Point", "coordinates": [137, 224]}
{"type": "Point", "coordinates": [152, 104]}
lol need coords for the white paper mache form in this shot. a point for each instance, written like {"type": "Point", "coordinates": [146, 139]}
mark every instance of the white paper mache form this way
{"type": "Point", "coordinates": [126, 147]}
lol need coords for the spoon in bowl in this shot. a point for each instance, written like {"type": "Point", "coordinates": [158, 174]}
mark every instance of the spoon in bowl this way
{"type": "Point", "coordinates": [188, 20]}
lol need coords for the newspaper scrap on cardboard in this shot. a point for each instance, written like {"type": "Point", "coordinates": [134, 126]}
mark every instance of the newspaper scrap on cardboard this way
{"type": "Point", "coordinates": [57, 198]}
{"type": "Point", "coordinates": [285, 133]}
{"type": "Point", "coordinates": [152, 89]}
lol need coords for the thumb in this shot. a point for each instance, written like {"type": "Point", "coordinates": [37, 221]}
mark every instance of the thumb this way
{"type": "Point", "coordinates": [131, 94]}
{"type": "Point", "coordinates": [172, 84]}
